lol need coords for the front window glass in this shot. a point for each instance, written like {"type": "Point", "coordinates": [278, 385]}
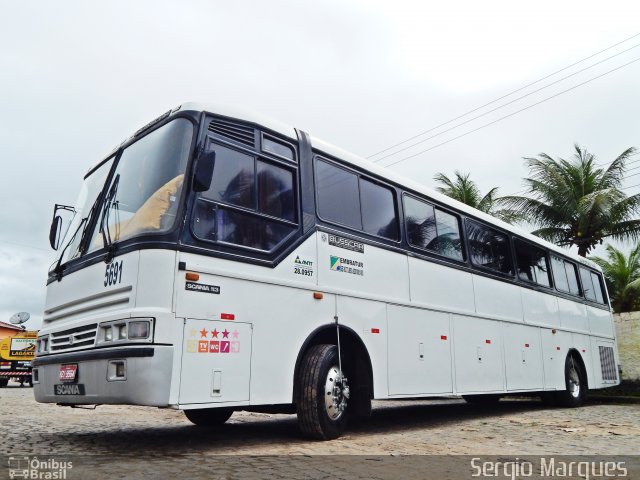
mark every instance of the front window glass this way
{"type": "Point", "coordinates": [87, 199]}
{"type": "Point", "coordinates": [145, 189]}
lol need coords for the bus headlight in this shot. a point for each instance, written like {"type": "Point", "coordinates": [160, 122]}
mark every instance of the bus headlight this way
{"type": "Point", "coordinates": [122, 331]}
{"type": "Point", "coordinates": [118, 331]}
{"type": "Point", "coordinates": [139, 329]}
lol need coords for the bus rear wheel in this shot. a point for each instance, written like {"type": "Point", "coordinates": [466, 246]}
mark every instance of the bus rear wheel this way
{"type": "Point", "coordinates": [324, 394]}
{"type": "Point", "coordinates": [575, 383]}
{"type": "Point", "coordinates": [4, 382]}
{"type": "Point", "coordinates": [208, 417]}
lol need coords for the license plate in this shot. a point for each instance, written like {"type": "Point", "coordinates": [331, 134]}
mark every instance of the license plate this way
{"type": "Point", "coordinates": [68, 373]}
{"type": "Point", "coordinates": [68, 389]}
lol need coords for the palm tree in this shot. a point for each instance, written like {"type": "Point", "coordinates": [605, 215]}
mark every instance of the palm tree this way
{"type": "Point", "coordinates": [577, 203]}
{"type": "Point", "coordinates": [622, 275]}
{"type": "Point", "coordinates": [466, 191]}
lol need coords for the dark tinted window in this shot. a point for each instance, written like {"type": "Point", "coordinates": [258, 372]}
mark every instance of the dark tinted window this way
{"type": "Point", "coordinates": [597, 287]}
{"type": "Point", "coordinates": [489, 248]}
{"type": "Point", "coordinates": [532, 264]}
{"type": "Point", "coordinates": [275, 191]}
{"type": "Point", "coordinates": [587, 284]}
{"type": "Point", "coordinates": [338, 195]}
{"type": "Point", "coordinates": [378, 210]}
{"type": "Point", "coordinates": [244, 190]}
{"type": "Point", "coordinates": [220, 224]}
{"type": "Point", "coordinates": [432, 229]}
{"type": "Point", "coordinates": [559, 274]}
{"type": "Point", "coordinates": [572, 276]}
{"type": "Point", "coordinates": [277, 148]}
{"type": "Point", "coordinates": [233, 178]}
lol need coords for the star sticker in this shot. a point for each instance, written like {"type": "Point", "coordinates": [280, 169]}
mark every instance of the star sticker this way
{"type": "Point", "coordinates": [225, 334]}
{"type": "Point", "coordinates": [203, 333]}
{"type": "Point", "coordinates": [192, 332]}
{"type": "Point", "coordinates": [214, 333]}
{"type": "Point", "coordinates": [235, 334]}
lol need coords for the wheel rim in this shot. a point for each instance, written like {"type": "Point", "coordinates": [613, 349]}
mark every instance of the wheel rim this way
{"type": "Point", "coordinates": [574, 380]}
{"type": "Point", "coordinates": [336, 393]}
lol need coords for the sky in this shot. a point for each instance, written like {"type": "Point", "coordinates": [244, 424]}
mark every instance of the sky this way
{"type": "Point", "coordinates": [78, 77]}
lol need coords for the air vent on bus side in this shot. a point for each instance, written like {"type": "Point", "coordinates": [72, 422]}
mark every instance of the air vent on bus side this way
{"type": "Point", "coordinates": [608, 364]}
{"type": "Point", "coordinates": [233, 131]}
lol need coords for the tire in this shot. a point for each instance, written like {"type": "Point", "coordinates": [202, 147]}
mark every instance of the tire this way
{"type": "Point", "coordinates": [487, 399]}
{"type": "Point", "coordinates": [4, 382]}
{"type": "Point", "coordinates": [208, 417]}
{"type": "Point", "coordinates": [30, 381]}
{"type": "Point", "coordinates": [575, 383]}
{"type": "Point", "coordinates": [324, 394]}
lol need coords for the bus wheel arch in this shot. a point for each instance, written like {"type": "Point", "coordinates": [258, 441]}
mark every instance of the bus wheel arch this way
{"type": "Point", "coordinates": [356, 363]}
{"type": "Point", "coordinates": [576, 381]}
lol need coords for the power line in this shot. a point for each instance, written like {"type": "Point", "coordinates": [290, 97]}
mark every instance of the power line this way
{"type": "Point", "coordinates": [504, 96]}
{"type": "Point", "coordinates": [502, 106]}
{"type": "Point", "coordinates": [514, 113]}
{"type": "Point", "coordinates": [24, 245]}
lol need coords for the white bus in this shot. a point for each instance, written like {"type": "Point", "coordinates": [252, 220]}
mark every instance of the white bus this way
{"type": "Point", "coordinates": [221, 261]}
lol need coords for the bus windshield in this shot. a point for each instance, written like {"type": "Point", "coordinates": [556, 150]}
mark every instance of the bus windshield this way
{"type": "Point", "coordinates": [87, 199]}
{"type": "Point", "coordinates": [145, 188]}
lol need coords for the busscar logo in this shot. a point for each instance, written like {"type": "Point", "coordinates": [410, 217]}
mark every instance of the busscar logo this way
{"type": "Point", "coordinates": [346, 265]}
{"type": "Point", "coordinates": [345, 243]}
{"type": "Point", "coordinates": [201, 287]}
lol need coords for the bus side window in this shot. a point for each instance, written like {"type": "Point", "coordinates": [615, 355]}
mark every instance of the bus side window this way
{"type": "Point", "coordinates": [572, 276]}
{"type": "Point", "coordinates": [338, 195]}
{"type": "Point", "coordinates": [489, 248]}
{"type": "Point", "coordinates": [559, 274]}
{"type": "Point", "coordinates": [532, 264]}
{"type": "Point", "coordinates": [587, 284]}
{"type": "Point", "coordinates": [378, 210]}
{"type": "Point", "coordinates": [432, 229]}
{"type": "Point", "coordinates": [597, 287]}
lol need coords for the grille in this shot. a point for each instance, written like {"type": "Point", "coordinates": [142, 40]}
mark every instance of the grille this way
{"type": "Point", "coordinates": [74, 338]}
{"type": "Point", "coordinates": [608, 364]}
{"type": "Point", "coordinates": [233, 131]}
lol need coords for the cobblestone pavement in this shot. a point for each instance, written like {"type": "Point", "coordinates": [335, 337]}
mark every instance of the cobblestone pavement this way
{"type": "Point", "coordinates": [512, 427]}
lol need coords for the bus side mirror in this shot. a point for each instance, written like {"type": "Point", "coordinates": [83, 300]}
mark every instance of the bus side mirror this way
{"type": "Point", "coordinates": [54, 232]}
{"type": "Point", "coordinates": [204, 172]}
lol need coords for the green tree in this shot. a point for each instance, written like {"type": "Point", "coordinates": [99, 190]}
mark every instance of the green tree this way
{"type": "Point", "coordinates": [622, 274]}
{"type": "Point", "coordinates": [576, 202]}
{"type": "Point", "coordinates": [466, 191]}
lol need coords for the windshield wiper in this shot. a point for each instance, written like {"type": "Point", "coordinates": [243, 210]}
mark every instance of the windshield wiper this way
{"type": "Point", "coordinates": [104, 222]}
{"type": "Point", "coordinates": [81, 244]}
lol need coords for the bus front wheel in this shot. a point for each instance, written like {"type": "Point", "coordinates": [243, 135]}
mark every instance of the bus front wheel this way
{"type": "Point", "coordinates": [208, 417]}
{"type": "Point", "coordinates": [324, 394]}
{"type": "Point", "coordinates": [575, 383]}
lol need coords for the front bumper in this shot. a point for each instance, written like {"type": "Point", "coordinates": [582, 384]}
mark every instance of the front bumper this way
{"type": "Point", "coordinates": [147, 377]}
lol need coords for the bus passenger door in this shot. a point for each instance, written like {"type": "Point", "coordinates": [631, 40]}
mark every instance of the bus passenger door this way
{"type": "Point", "coordinates": [216, 362]}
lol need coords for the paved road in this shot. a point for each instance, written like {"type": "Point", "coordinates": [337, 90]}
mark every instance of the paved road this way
{"type": "Point", "coordinates": [134, 435]}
